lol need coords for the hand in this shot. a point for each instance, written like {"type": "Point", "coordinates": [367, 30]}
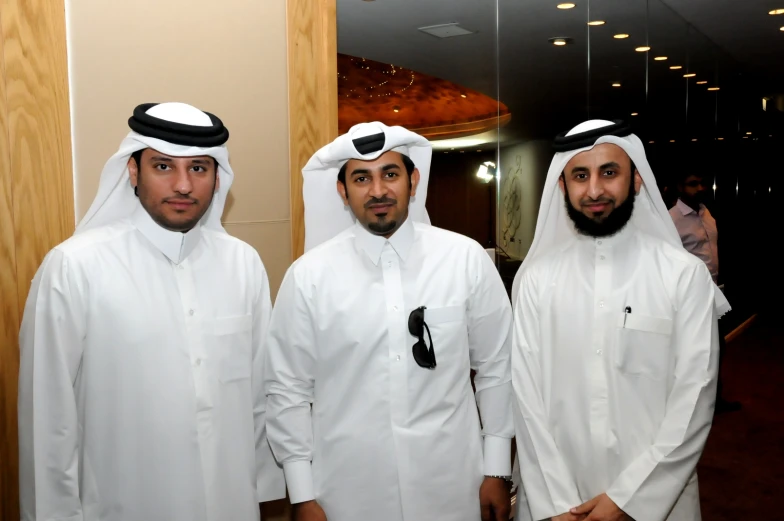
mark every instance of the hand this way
{"type": "Point", "coordinates": [308, 511]}
{"type": "Point", "coordinates": [495, 500]}
{"type": "Point", "coordinates": [568, 516]}
{"type": "Point", "coordinates": [601, 508]}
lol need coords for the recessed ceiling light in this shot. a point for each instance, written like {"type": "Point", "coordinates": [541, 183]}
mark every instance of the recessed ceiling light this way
{"type": "Point", "coordinates": [703, 82]}
{"type": "Point", "coordinates": [463, 96]}
{"type": "Point", "coordinates": [616, 84]}
{"type": "Point", "coordinates": [676, 67]}
{"type": "Point", "coordinates": [672, 141]}
{"type": "Point", "coordinates": [651, 142]}
{"type": "Point", "coordinates": [561, 40]}
{"type": "Point", "coordinates": [748, 133]}
{"type": "Point", "coordinates": [695, 139]}
{"type": "Point", "coordinates": [644, 48]}
{"type": "Point", "coordinates": [781, 28]}
{"type": "Point", "coordinates": [720, 138]}
{"type": "Point", "coordinates": [745, 137]}
{"type": "Point", "coordinates": [660, 58]}
{"type": "Point", "coordinates": [634, 114]}
{"type": "Point", "coordinates": [689, 75]}
{"type": "Point", "coordinates": [776, 11]}
{"type": "Point", "coordinates": [597, 22]}
{"type": "Point", "coordinates": [565, 6]}
{"type": "Point", "coordinates": [713, 88]}
{"type": "Point", "coordinates": [620, 36]}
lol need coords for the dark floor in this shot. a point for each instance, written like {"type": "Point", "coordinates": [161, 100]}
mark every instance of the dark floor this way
{"type": "Point", "coordinates": [742, 469]}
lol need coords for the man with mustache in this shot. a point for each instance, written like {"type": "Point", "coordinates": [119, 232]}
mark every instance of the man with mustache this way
{"type": "Point", "coordinates": [372, 339]}
{"type": "Point", "coordinates": [142, 344]}
{"type": "Point", "coordinates": [615, 346]}
{"type": "Point", "coordinates": [699, 235]}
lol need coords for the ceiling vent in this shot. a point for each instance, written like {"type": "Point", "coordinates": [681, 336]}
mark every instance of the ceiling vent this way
{"type": "Point", "coordinates": [445, 30]}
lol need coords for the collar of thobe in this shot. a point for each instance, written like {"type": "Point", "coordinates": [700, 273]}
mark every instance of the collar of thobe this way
{"type": "Point", "coordinates": [553, 225]}
{"type": "Point", "coordinates": [619, 238]}
{"type": "Point", "coordinates": [175, 129]}
{"type": "Point", "coordinates": [373, 245]}
{"type": "Point", "coordinates": [175, 245]}
{"type": "Point", "coordinates": [685, 208]}
{"type": "Point", "coordinates": [325, 214]}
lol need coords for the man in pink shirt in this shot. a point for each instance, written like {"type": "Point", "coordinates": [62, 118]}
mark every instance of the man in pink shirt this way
{"type": "Point", "coordinates": [699, 236]}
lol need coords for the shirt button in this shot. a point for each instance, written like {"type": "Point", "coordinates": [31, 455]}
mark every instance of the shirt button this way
{"type": "Point", "coordinates": [198, 362]}
{"type": "Point", "coordinates": [389, 264]}
{"type": "Point", "coordinates": [599, 243]}
{"type": "Point", "coordinates": [181, 267]}
{"type": "Point", "coordinates": [397, 358]}
{"type": "Point", "coordinates": [601, 304]}
{"type": "Point", "coordinates": [598, 351]}
{"type": "Point", "coordinates": [601, 257]}
{"type": "Point", "coordinates": [394, 308]}
{"type": "Point", "coordinates": [191, 312]}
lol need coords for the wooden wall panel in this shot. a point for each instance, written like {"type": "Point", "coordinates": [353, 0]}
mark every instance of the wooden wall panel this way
{"type": "Point", "coordinates": [36, 186]}
{"type": "Point", "coordinates": [9, 317]}
{"type": "Point", "coordinates": [313, 94]}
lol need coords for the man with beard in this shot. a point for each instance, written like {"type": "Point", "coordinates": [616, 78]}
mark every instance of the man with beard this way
{"type": "Point", "coordinates": [372, 338]}
{"type": "Point", "coordinates": [697, 229]}
{"type": "Point", "coordinates": [615, 342]}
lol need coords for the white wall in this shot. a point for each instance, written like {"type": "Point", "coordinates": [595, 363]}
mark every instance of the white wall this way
{"type": "Point", "coordinates": [228, 58]}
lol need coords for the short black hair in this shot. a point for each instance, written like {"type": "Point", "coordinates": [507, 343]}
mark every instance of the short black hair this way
{"type": "Point", "coordinates": [406, 162]}
{"type": "Point", "coordinates": [137, 156]}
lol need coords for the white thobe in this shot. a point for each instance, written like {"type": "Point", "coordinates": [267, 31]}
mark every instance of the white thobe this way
{"type": "Point", "coordinates": [388, 439]}
{"type": "Point", "coordinates": [610, 401]}
{"type": "Point", "coordinates": [698, 234]}
{"type": "Point", "coordinates": [140, 385]}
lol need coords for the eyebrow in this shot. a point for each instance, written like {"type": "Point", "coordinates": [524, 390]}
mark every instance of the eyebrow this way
{"type": "Point", "coordinates": [161, 158]}
{"type": "Point", "coordinates": [165, 159]}
{"type": "Point", "coordinates": [385, 168]}
{"type": "Point", "coordinates": [584, 169]}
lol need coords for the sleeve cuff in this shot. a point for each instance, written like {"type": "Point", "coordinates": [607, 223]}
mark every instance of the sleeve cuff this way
{"type": "Point", "coordinates": [299, 479]}
{"type": "Point", "coordinates": [497, 456]}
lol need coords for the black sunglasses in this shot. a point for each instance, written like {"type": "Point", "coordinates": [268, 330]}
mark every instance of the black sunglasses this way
{"type": "Point", "coordinates": [423, 356]}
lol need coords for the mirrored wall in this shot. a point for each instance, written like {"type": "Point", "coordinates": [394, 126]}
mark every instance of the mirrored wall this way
{"type": "Point", "coordinates": [491, 82]}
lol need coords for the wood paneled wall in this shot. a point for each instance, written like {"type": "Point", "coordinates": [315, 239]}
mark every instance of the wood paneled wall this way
{"type": "Point", "coordinates": [313, 95]}
{"type": "Point", "coordinates": [36, 186]}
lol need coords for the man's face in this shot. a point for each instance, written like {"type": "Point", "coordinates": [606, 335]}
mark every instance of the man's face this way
{"type": "Point", "coordinates": [378, 192]}
{"type": "Point", "coordinates": [693, 189]}
{"type": "Point", "coordinates": [175, 191]}
{"type": "Point", "coordinates": [599, 188]}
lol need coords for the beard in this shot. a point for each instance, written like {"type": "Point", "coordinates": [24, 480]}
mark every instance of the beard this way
{"type": "Point", "coordinates": [610, 225]}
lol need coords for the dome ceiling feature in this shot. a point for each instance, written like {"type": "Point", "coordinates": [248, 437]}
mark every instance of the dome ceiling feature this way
{"type": "Point", "coordinates": [437, 109]}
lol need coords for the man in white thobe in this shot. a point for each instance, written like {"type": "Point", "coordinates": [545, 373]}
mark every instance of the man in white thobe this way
{"type": "Point", "coordinates": [615, 342]}
{"type": "Point", "coordinates": [377, 326]}
{"type": "Point", "coordinates": [140, 393]}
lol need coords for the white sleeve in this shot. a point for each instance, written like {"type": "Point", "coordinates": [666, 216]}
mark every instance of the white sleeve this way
{"type": "Point", "coordinates": [549, 486]}
{"type": "Point", "coordinates": [649, 487]}
{"type": "Point", "coordinates": [489, 339]}
{"type": "Point", "coordinates": [270, 484]}
{"type": "Point", "coordinates": [289, 383]}
{"type": "Point", "coordinates": [51, 345]}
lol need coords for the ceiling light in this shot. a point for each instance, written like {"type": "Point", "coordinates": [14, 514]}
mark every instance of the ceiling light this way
{"type": "Point", "coordinates": [620, 36]}
{"type": "Point", "coordinates": [777, 11]}
{"type": "Point", "coordinates": [745, 137]}
{"type": "Point", "coordinates": [463, 96]}
{"type": "Point", "coordinates": [445, 30]}
{"type": "Point", "coordinates": [660, 58]}
{"type": "Point", "coordinates": [634, 114]}
{"type": "Point", "coordinates": [748, 133]}
{"type": "Point", "coordinates": [703, 82]}
{"type": "Point", "coordinates": [616, 84]}
{"type": "Point", "coordinates": [651, 142]}
{"type": "Point", "coordinates": [561, 40]}
{"type": "Point", "coordinates": [695, 139]}
{"type": "Point", "coordinates": [597, 22]}
{"type": "Point", "coordinates": [486, 171]}
{"type": "Point", "coordinates": [676, 67]}
{"type": "Point", "coordinates": [644, 48]}
{"type": "Point", "coordinates": [720, 138]}
{"type": "Point", "coordinates": [565, 6]}
{"type": "Point", "coordinates": [781, 28]}
{"type": "Point", "coordinates": [713, 88]}
{"type": "Point", "coordinates": [689, 75]}
{"type": "Point", "coordinates": [672, 141]}
{"type": "Point", "coordinates": [396, 108]}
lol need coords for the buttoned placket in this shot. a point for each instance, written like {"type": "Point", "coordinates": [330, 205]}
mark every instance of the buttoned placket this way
{"type": "Point", "coordinates": [396, 328]}
{"type": "Point", "coordinates": [599, 404]}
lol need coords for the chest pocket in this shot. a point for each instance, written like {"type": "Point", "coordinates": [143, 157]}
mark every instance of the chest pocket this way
{"type": "Point", "coordinates": [643, 345]}
{"type": "Point", "coordinates": [233, 336]}
{"type": "Point", "coordinates": [447, 327]}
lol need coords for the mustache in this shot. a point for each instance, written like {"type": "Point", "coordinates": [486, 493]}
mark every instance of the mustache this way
{"type": "Point", "coordinates": [382, 200]}
{"type": "Point", "coordinates": [602, 200]}
{"type": "Point", "coordinates": [180, 199]}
